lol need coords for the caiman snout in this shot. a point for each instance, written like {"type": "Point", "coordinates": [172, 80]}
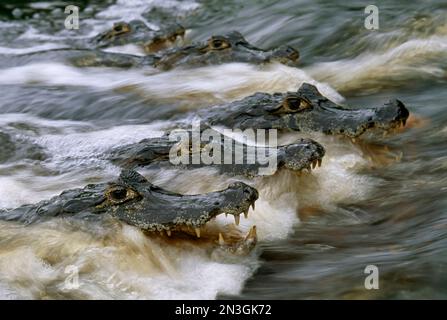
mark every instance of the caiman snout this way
{"type": "Point", "coordinates": [250, 194]}
{"type": "Point", "coordinates": [392, 114]}
{"type": "Point", "coordinates": [304, 154]}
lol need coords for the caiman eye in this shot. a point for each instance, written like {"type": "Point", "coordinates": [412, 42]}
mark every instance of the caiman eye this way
{"type": "Point", "coordinates": [121, 28]}
{"type": "Point", "coordinates": [295, 104]}
{"type": "Point", "coordinates": [157, 40]}
{"type": "Point", "coordinates": [119, 194]}
{"type": "Point", "coordinates": [218, 44]}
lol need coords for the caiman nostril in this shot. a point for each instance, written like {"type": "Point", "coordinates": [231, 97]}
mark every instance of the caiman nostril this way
{"type": "Point", "coordinates": [391, 113]}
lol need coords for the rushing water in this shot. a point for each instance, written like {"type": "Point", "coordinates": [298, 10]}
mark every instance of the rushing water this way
{"type": "Point", "coordinates": [378, 203]}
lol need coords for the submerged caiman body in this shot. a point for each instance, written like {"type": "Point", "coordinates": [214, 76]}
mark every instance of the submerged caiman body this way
{"type": "Point", "coordinates": [228, 48]}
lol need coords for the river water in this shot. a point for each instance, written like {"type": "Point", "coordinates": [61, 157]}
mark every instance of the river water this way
{"type": "Point", "coordinates": [380, 203]}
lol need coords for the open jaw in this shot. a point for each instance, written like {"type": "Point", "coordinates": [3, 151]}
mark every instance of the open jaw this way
{"type": "Point", "coordinates": [306, 110]}
{"type": "Point", "coordinates": [137, 32]}
{"type": "Point", "coordinates": [156, 153]}
{"type": "Point", "coordinates": [134, 200]}
{"type": "Point", "coordinates": [231, 47]}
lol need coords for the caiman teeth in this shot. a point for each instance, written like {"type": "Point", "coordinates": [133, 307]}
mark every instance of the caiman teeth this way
{"type": "Point", "coordinates": [251, 234]}
{"type": "Point", "coordinates": [197, 230]}
{"type": "Point", "coordinates": [319, 162]}
{"type": "Point", "coordinates": [169, 232]}
{"type": "Point", "coordinates": [353, 140]}
{"type": "Point", "coordinates": [253, 206]}
{"type": "Point", "coordinates": [246, 213]}
{"type": "Point", "coordinates": [237, 218]}
{"type": "Point", "coordinates": [221, 239]}
{"type": "Point", "coordinates": [314, 164]}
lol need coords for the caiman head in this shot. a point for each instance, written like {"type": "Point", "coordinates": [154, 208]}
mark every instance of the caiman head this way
{"type": "Point", "coordinates": [135, 201]}
{"type": "Point", "coordinates": [300, 155]}
{"type": "Point", "coordinates": [137, 32]}
{"type": "Point", "coordinates": [155, 153]}
{"type": "Point", "coordinates": [306, 110]}
{"type": "Point", "coordinates": [220, 49]}
{"type": "Point", "coordinates": [165, 38]}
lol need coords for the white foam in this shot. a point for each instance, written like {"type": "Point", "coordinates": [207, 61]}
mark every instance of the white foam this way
{"type": "Point", "coordinates": [207, 83]}
{"type": "Point", "coordinates": [43, 47]}
{"type": "Point", "coordinates": [6, 293]}
{"type": "Point", "coordinates": [132, 9]}
{"type": "Point", "coordinates": [41, 5]}
{"type": "Point", "coordinates": [118, 263]}
{"type": "Point", "coordinates": [74, 149]}
{"type": "Point", "coordinates": [132, 49]}
{"type": "Point", "coordinates": [339, 179]}
{"type": "Point", "coordinates": [44, 124]}
{"type": "Point", "coordinates": [410, 60]}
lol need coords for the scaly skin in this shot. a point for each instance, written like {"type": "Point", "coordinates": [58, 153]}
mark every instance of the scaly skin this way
{"type": "Point", "coordinates": [217, 50]}
{"type": "Point", "coordinates": [306, 110]}
{"type": "Point", "coordinates": [135, 201]}
{"type": "Point", "coordinates": [154, 153]}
